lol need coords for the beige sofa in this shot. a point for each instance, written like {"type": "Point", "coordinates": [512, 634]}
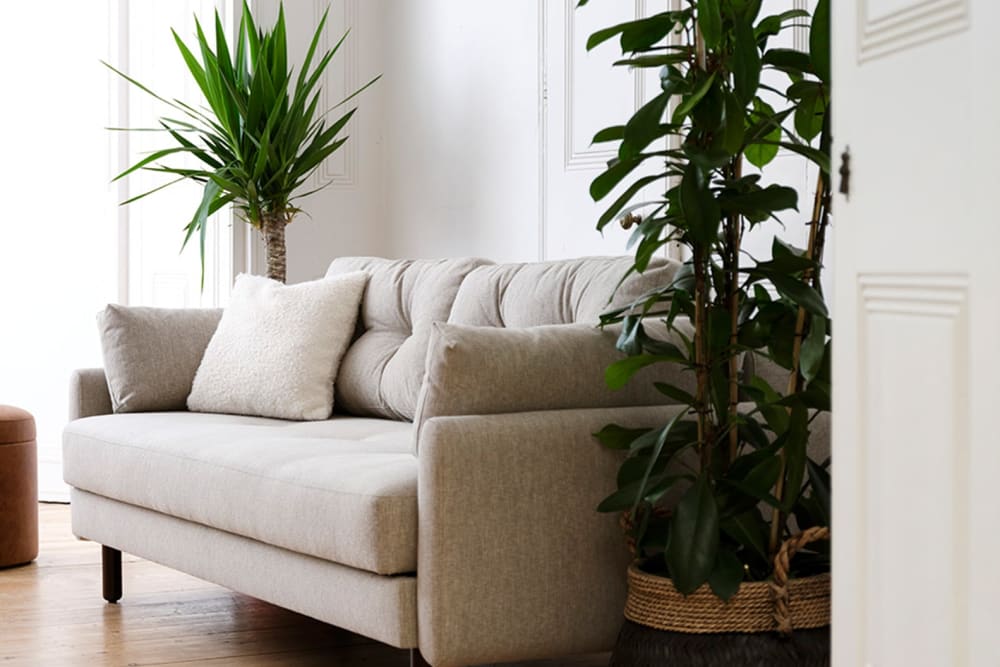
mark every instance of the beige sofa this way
{"type": "Point", "coordinates": [449, 505]}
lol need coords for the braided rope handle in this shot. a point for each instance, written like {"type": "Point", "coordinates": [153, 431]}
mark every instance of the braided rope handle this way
{"type": "Point", "coordinates": [782, 560]}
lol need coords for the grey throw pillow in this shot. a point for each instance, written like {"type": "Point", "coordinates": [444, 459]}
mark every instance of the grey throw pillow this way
{"type": "Point", "coordinates": [151, 355]}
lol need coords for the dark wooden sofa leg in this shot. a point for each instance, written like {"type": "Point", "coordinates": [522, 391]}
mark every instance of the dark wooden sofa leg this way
{"type": "Point", "coordinates": [417, 660]}
{"type": "Point", "coordinates": [111, 561]}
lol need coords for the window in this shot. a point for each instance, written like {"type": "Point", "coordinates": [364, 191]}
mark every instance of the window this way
{"type": "Point", "coordinates": [66, 249]}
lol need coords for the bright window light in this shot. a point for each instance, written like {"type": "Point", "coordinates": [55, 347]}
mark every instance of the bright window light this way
{"type": "Point", "coordinates": [66, 249]}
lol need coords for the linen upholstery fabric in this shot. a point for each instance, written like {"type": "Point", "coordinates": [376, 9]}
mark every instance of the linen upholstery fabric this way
{"type": "Point", "coordinates": [151, 354]}
{"type": "Point", "coordinates": [343, 490]}
{"type": "Point", "coordinates": [514, 563]}
{"type": "Point", "coordinates": [489, 370]}
{"type": "Point", "coordinates": [557, 292]}
{"type": "Point", "coordinates": [89, 394]}
{"type": "Point", "coordinates": [277, 348]}
{"type": "Point", "coordinates": [383, 608]}
{"type": "Point", "coordinates": [382, 371]}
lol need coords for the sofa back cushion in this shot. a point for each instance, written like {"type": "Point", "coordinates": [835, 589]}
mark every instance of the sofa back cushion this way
{"type": "Point", "coordinates": [574, 291]}
{"type": "Point", "coordinates": [383, 369]}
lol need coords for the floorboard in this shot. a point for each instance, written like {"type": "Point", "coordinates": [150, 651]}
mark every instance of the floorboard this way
{"type": "Point", "coordinates": [52, 614]}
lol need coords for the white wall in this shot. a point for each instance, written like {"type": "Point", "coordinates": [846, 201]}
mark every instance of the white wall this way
{"type": "Point", "coordinates": [461, 128]}
{"type": "Point", "coordinates": [476, 141]}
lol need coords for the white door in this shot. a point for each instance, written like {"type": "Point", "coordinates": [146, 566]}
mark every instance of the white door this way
{"type": "Point", "coordinates": [917, 307]}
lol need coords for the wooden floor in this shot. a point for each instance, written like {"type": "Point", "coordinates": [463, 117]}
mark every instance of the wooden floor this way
{"type": "Point", "coordinates": [52, 614]}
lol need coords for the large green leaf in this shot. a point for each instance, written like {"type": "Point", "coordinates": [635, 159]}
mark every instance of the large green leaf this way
{"type": "Point", "coordinates": [619, 373]}
{"type": "Point", "coordinates": [612, 176]}
{"type": "Point", "coordinates": [819, 40]}
{"type": "Point", "coordinates": [746, 60]}
{"type": "Point", "coordinates": [763, 148]}
{"type": "Point", "coordinates": [747, 529]}
{"type": "Point", "coordinates": [787, 60]}
{"type": "Point", "coordinates": [710, 22]}
{"type": "Point", "coordinates": [800, 293]}
{"type": "Point", "coordinates": [624, 198]}
{"type": "Point", "coordinates": [735, 121]}
{"type": "Point", "coordinates": [659, 24]}
{"type": "Point", "coordinates": [762, 202]}
{"type": "Point", "coordinates": [644, 126]}
{"type": "Point", "coordinates": [727, 575]}
{"type": "Point", "coordinates": [614, 436]}
{"type": "Point", "coordinates": [819, 479]}
{"type": "Point", "coordinates": [795, 455]}
{"type": "Point", "coordinates": [694, 537]}
{"type": "Point", "coordinates": [819, 157]}
{"type": "Point", "coordinates": [701, 210]}
{"type": "Point", "coordinates": [654, 456]}
{"type": "Point", "coordinates": [689, 102]}
{"type": "Point", "coordinates": [813, 348]}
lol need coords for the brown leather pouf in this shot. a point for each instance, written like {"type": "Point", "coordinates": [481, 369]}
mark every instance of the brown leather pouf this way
{"type": "Point", "coordinates": [18, 487]}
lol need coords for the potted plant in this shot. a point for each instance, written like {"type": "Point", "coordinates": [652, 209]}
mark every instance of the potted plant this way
{"type": "Point", "coordinates": [725, 509]}
{"type": "Point", "coordinates": [260, 137]}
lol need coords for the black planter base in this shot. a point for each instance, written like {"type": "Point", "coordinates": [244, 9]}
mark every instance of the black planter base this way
{"type": "Point", "coordinates": [640, 646]}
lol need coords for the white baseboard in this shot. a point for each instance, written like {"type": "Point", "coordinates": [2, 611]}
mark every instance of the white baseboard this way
{"type": "Point", "coordinates": [51, 487]}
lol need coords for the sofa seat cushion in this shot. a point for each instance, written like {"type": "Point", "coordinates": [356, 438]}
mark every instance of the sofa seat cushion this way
{"type": "Point", "coordinates": [344, 489]}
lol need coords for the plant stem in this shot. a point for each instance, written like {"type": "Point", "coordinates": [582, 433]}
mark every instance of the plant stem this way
{"type": "Point", "coordinates": [794, 376]}
{"type": "Point", "coordinates": [735, 233]}
{"type": "Point", "coordinates": [700, 361]}
{"type": "Point", "coordinates": [272, 226]}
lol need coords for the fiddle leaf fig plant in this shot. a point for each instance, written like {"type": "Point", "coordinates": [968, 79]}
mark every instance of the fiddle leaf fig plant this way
{"type": "Point", "coordinates": [711, 495]}
{"type": "Point", "coordinates": [260, 137]}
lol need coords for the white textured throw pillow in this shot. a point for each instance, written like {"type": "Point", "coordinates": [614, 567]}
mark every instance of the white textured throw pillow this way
{"type": "Point", "coordinates": [277, 348]}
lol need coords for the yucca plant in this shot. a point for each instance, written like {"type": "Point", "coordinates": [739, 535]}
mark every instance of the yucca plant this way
{"type": "Point", "coordinates": [261, 135]}
{"type": "Point", "coordinates": [741, 444]}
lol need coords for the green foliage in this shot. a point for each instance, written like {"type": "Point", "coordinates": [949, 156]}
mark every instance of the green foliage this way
{"type": "Point", "coordinates": [261, 135]}
{"type": "Point", "coordinates": [733, 465]}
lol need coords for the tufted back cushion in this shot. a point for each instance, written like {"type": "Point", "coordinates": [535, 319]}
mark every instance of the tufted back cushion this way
{"type": "Point", "coordinates": [558, 292]}
{"type": "Point", "coordinates": [383, 369]}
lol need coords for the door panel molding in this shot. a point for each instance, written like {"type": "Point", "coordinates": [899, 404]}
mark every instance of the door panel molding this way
{"type": "Point", "coordinates": [913, 327]}
{"type": "Point", "coordinates": [887, 26]}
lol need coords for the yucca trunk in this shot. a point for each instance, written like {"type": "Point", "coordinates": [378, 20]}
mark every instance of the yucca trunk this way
{"type": "Point", "coordinates": [272, 226]}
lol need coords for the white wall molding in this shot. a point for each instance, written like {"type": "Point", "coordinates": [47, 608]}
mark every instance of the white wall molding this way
{"type": "Point", "coordinates": [543, 131]}
{"type": "Point", "coordinates": [587, 157]}
{"type": "Point", "coordinates": [341, 169]}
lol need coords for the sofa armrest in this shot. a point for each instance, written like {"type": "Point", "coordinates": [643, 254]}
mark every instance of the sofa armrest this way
{"type": "Point", "coordinates": [514, 561]}
{"type": "Point", "coordinates": [473, 370]}
{"type": "Point", "coordinates": [88, 394]}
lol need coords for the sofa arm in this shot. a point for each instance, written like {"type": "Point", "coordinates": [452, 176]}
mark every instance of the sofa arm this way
{"type": "Point", "coordinates": [88, 394]}
{"type": "Point", "coordinates": [514, 562]}
{"type": "Point", "coordinates": [473, 370]}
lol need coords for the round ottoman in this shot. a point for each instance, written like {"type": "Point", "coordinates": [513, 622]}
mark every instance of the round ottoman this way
{"type": "Point", "coordinates": [18, 487]}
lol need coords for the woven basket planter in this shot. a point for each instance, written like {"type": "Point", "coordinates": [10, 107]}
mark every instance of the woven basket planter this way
{"type": "Point", "coordinates": [780, 622]}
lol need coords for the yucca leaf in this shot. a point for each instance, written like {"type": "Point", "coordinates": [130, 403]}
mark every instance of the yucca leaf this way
{"type": "Point", "coordinates": [194, 67]}
{"type": "Point", "coordinates": [222, 48]}
{"type": "Point", "coordinates": [304, 167]}
{"type": "Point", "coordinates": [312, 49]}
{"type": "Point", "coordinates": [149, 192]}
{"type": "Point", "coordinates": [354, 94]}
{"type": "Point", "coordinates": [258, 134]}
{"type": "Point", "coordinates": [280, 56]}
{"type": "Point", "coordinates": [153, 157]}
